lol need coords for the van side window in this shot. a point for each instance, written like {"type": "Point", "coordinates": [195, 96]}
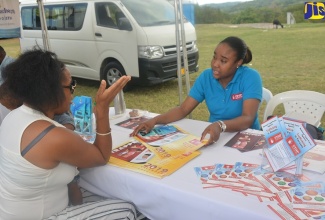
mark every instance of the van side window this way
{"type": "Point", "coordinates": [71, 17]}
{"type": "Point", "coordinates": [58, 17]}
{"type": "Point", "coordinates": [106, 14]}
{"type": "Point", "coordinates": [118, 15]}
{"type": "Point", "coordinates": [30, 18]}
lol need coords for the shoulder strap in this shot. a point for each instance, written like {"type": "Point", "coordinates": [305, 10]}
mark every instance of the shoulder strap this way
{"type": "Point", "coordinates": [37, 139]}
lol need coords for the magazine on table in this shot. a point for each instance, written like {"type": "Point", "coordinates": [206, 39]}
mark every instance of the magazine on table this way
{"type": "Point", "coordinates": [169, 141]}
{"type": "Point", "coordinates": [136, 156]}
{"type": "Point", "coordinates": [247, 140]}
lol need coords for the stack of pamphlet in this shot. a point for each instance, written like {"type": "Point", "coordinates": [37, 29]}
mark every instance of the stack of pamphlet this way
{"type": "Point", "coordinates": [288, 195]}
{"type": "Point", "coordinates": [287, 141]}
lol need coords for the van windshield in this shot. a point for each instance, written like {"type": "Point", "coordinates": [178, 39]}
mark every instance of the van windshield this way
{"type": "Point", "coordinates": [151, 13]}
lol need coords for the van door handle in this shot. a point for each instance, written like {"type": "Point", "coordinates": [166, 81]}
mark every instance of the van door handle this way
{"type": "Point", "coordinates": [98, 34]}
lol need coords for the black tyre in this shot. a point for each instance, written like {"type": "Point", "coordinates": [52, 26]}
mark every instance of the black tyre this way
{"type": "Point", "coordinates": [112, 72]}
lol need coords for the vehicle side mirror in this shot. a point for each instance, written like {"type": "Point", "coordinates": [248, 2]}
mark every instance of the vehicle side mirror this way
{"type": "Point", "coordinates": [124, 24]}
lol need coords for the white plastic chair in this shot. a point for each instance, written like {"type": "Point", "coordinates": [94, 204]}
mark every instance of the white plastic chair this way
{"type": "Point", "coordinates": [267, 95]}
{"type": "Point", "coordinates": [308, 106]}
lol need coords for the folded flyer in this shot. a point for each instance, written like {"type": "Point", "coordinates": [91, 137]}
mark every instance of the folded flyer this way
{"type": "Point", "coordinates": [247, 140]}
{"type": "Point", "coordinates": [283, 145]}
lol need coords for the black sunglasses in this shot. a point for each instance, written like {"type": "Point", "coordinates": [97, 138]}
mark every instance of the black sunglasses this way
{"type": "Point", "coordinates": [72, 86]}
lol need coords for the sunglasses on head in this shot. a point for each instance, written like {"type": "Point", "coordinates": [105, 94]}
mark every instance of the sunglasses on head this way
{"type": "Point", "coordinates": [72, 86]}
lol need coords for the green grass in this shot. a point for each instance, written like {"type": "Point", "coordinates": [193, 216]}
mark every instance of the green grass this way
{"type": "Point", "coordinates": [287, 59]}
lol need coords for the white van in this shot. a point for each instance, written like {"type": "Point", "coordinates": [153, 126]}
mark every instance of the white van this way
{"type": "Point", "coordinates": [104, 39]}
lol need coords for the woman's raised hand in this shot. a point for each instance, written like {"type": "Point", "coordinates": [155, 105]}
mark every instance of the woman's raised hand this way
{"type": "Point", "coordinates": [104, 96]}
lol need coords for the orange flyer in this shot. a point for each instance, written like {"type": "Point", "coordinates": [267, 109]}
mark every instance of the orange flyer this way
{"type": "Point", "coordinates": [169, 141]}
{"type": "Point", "coordinates": [136, 156]}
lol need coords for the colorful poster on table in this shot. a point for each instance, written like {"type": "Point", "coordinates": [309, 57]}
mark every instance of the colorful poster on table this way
{"type": "Point", "coordinates": [9, 19]}
{"type": "Point", "coordinates": [136, 156]}
{"type": "Point", "coordinates": [169, 140]}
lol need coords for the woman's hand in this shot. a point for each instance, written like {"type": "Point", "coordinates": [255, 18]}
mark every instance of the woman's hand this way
{"type": "Point", "coordinates": [214, 131]}
{"type": "Point", "coordinates": [146, 127]}
{"type": "Point", "coordinates": [104, 96]}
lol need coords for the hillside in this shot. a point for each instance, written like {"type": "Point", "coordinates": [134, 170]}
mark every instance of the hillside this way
{"type": "Point", "coordinates": [234, 7]}
{"type": "Point", "coordinates": [254, 11]}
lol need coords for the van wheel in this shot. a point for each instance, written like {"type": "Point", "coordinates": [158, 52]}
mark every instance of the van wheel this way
{"type": "Point", "coordinates": [112, 72]}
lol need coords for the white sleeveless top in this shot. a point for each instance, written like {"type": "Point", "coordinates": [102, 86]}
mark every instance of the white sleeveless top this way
{"type": "Point", "coordinates": [27, 191]}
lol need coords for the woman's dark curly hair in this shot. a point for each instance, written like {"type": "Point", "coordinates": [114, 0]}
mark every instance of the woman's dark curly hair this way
{"type": "Point", "coordinates": [243, 52]}
{"type": "Point", "coordinates": [36, 77]}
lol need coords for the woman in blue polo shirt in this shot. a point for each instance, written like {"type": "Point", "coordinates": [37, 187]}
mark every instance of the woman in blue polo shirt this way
{"type": "Point", "coordinates": [232, 93]}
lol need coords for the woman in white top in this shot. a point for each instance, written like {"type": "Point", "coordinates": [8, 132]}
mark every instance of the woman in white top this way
{"type": "Point", "coordinates": [38, 156]}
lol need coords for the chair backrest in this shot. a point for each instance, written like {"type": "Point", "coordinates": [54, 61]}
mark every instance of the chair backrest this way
{"type": "Point", "coordinates": [308, 106]}
{"type": "Point", "coordinates": [267, 95]}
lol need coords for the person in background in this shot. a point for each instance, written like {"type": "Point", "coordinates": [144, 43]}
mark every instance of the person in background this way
{"type": "Point", "coordinates": [4, 61]}
{"type": "Point", "coordinates": [232, 93]}
{"type": "Point", "coordinates": [35, 165]}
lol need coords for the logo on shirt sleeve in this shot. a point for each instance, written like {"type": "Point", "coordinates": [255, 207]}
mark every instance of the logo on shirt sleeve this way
{"type": "Point", "coordinates": [237, 96]}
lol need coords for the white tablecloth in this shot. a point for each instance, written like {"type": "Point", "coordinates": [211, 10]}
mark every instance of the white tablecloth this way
{"type": "Point", "coordinates": [180, 195]}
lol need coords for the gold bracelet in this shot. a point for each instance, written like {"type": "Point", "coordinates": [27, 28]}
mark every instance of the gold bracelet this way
{"type": "Point", "coordinates": [103, 134]}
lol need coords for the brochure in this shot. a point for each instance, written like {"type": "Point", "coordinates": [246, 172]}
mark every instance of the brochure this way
{"type": "Point", "coordinates": [283, 147]}
{"type": "Point", "coordinates": [169, 141]}
{"type": "Point", "coordinates": [247, 140]}
{"type": "Point", "coordinates": [136, 156]}
{"type": "Point", "coordinates": [314, 160]}
{"type": "Point", "coordinates": [131, 123]}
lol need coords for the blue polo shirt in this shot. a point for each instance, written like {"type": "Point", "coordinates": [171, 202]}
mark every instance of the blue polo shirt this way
{"type": "Point", "coordinates": [226, 104]}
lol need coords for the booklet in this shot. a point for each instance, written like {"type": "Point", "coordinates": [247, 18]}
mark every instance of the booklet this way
{"type": "Point", "coordinates": [283, 146]}
{"type": "Point", "coordinates": [169, 141]}
{"type": "Point", "coordinates": [136, 156]}
{"type": "Point", "coordinates": [247, 140]}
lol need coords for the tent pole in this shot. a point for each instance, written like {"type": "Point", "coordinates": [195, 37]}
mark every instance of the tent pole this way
{"type": "Point", "coordinates": [181, 49]}
{"type": "Point", "coordinates": [179, 64]}
{"type": "Point", "coordinates": [184, 49]}
{"type": "Point", "coordinates": [46, 43]}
